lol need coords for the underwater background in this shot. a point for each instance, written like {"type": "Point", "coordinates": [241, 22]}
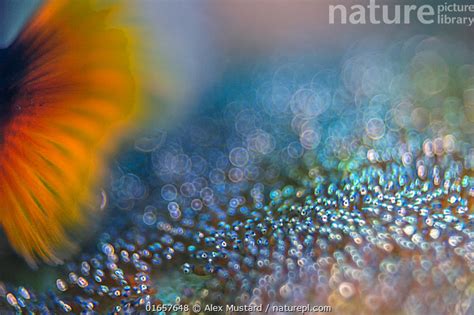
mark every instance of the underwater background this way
{"type": "Point", "coordinates": [280, 161]}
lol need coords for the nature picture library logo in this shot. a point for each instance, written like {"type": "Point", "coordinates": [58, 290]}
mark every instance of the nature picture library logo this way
{"type": "Point", "coordinates": [376, 12]}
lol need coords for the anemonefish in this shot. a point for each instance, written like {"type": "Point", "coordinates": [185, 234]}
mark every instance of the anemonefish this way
{"type": "Point", "coordinates": [67, 91]}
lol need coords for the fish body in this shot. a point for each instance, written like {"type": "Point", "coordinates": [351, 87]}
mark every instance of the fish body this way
{"type": "Point", "coordinates": [66, 92]}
